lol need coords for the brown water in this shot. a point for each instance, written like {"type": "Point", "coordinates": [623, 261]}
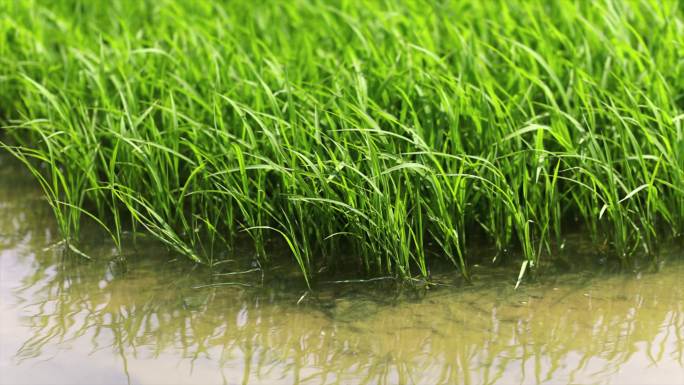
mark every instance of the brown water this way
{"type": "Point", "coordinates": [145, 320]}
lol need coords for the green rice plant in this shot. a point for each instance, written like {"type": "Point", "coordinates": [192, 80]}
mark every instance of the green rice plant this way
{"type": "Point", "coordinates": [381, 136]}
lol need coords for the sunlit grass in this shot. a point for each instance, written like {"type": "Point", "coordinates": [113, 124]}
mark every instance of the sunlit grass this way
{"type": "Point", "coordinates": [357, 132]}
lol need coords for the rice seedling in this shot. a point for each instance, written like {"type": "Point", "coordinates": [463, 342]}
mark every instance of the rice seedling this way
{"type": "Point", "coordinates": [371, 134]}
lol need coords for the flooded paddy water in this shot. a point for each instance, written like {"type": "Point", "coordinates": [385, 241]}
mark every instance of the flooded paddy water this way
{"type": "Point", "coordinates": [150, 319]}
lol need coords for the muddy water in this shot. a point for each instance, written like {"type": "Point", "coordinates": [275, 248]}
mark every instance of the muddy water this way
{"type": "Point", "coordinates": [142, 319]}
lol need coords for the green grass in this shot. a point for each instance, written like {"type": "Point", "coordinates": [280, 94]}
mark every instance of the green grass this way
{"type": "Point", "coordinates": [359, 133]}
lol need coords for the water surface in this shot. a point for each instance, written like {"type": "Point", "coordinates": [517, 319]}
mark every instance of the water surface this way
{"type": "Point", "coordinates": [142, 318]}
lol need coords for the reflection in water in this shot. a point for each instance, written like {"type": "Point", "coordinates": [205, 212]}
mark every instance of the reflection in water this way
{"type": "Point", "coordinates": [144, 320]}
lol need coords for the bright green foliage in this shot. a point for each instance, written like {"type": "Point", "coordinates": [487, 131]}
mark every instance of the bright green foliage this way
{"type": "Point", "coordinates": [358, 131]}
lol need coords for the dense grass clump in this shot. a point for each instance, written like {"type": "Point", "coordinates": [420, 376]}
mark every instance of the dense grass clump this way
{"type": "Point", "coordinates": [356, 131]}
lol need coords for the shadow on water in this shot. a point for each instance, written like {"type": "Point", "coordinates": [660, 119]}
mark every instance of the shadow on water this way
{"type": "Point", "coordinates": [145, 319]}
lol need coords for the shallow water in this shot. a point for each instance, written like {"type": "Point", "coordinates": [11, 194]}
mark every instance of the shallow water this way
{"type": "Point", "coordinates": [145, 320]}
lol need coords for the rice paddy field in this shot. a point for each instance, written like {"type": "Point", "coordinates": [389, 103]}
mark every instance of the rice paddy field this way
{"type": "Point", "coordinates": [341, 191]}
{"type": "Point", "coordinates": [380, 138]}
